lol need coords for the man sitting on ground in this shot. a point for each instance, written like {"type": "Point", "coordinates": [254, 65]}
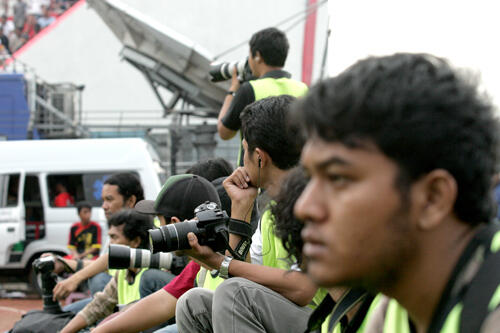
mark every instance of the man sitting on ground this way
{"type": "Point", "coordinates": [160, 306]}
{"type": "Point", "coordinates": [264, 295]}
{"type": "Point", "coordinates": [126, 228]}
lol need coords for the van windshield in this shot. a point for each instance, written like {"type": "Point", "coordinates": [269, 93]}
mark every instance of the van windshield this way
{"type": "Point", "coordinates": [9, 190]}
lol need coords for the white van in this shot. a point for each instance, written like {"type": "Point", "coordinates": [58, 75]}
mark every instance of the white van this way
{"type": "Point", "coordinates": [30, 171]}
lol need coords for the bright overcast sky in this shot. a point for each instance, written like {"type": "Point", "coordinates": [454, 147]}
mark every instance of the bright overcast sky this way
{"type": "Point", "coordinates": [465, 32]}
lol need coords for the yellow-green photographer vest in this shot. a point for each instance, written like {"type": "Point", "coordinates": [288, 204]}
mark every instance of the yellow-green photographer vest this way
{"type": "Point", "coordinates": [205, 279]}
{"type": "Point", "coordinates": [275, 255]}
{"type": "Point", "coordinates": [267, 87]}
{"type": "Point", "coordinates": [128, 293]}
{"type": "Point", "coordinates": [396, 320]}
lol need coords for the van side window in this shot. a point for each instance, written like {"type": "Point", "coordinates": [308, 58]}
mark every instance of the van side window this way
{"type": "Point", "coordinates": [9, 190]}
{"type": "Point", "coordinates": [67, 189]}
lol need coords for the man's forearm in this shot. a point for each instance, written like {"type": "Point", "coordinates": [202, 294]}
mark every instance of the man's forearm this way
{"type": "Point", "coordinates": [92, 267]}
{"type": "Point", "coordinates": [224, 107]}
{"type": "Point", "coordinates": [76, 324]}
{"type": "Point", "coordinates": [293, 285]}
{"type": "Point", "coordinates": [153, 310]}
{"type": "Point", "coordinates": [224, 132]}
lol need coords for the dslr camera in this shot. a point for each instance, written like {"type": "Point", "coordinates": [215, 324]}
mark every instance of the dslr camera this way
{"type": "Point", "coordinates": [210, 226]}
{"type": "Point", "coordinates": [223, 71]}
{"type": "Point", "coordinates": [122, 256]}
{"type": "Point", "coordinates": [45, 266]}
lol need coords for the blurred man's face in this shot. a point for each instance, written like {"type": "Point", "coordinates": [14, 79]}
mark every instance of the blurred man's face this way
{"type": "Point", "coordinates": [116, 236]}
{"type": "Point", "coordinates": [112, 200]}
{"type": "Point", "coordinates": [357, 229]}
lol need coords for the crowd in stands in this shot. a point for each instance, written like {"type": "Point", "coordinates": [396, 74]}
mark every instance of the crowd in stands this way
{"type": "Point", "coordinates": [21, 20]}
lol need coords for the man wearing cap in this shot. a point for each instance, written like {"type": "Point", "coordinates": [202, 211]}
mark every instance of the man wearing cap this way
{"type": "Point", "coordinates": [176, 202]}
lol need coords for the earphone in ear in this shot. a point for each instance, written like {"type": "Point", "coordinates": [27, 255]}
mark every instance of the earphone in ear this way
{"type": "Point", "coordinates": [260, 162]}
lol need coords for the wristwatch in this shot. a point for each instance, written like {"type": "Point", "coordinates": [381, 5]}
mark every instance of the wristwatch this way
{"type": "Point", "coordinates": [224, 267]}
{"type": "Point", "coordinates": [230, 92]}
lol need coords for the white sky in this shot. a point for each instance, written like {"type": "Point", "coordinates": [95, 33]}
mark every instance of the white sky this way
{"type": "Point", "coordinates": [465, 32]}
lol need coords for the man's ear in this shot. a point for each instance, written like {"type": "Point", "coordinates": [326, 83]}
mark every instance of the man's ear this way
{"type": "Point", "coordinates": [263, 158]}
{"type": "Point", "coordinates": [437, 194]}
{"type": "Point", "coordinates": [257, 57]}
{"type": "Point", "coordinates": [135, 242]}
{"type": "Point", "coordinates": [174, 219]}
{"type": "Point", "coordinates": [130, 203]}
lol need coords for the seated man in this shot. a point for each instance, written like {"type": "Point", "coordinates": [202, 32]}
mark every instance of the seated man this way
{"type": "Point", "coordinates": [401, 153]}
{"type": "Point", "coordinates": [84, 236]}
{"type": "Point", "coordinates": [160, 306]}
{"type": "Point", "coordinates": [130, 228]}
{"type": "Point", "coordinates": [120, 191]}
{"type": "Point", "coordinates": [263, 295]}
{"type": "Point", "coordinates": [63, 198]}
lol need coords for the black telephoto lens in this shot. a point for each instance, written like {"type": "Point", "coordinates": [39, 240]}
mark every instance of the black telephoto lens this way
{"type": "Point", "coordinates": [172, 237]}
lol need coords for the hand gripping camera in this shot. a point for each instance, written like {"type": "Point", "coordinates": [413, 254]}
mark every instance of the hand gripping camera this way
{"type": "Point", "coordinates": [210, 226]}
{"type": "Point", "coordinates": [223, 71]}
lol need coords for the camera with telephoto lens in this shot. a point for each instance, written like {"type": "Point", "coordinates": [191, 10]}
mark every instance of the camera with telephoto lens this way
{"type": "Point", "coordinates": [223, 71]}
{"type": "Point", "coordinates": [210, 226]}
{"type": "Point", "coordinates": [122, 257]}
{"type": "Point", "coordinates": [45, 266]}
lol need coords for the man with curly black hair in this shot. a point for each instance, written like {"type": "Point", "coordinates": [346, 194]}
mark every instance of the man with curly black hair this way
{"type": "Point", "coordinates": [401, 151]}
{"type": "Point", "coordinates": [262, 295]}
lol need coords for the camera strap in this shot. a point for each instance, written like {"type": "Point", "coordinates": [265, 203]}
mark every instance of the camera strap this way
{"type": "Point", "coordinates": [244, 230]}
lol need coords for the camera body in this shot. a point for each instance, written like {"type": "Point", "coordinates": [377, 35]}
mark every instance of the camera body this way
{"type": "Point", "coordinates": [122, 257]}
{"type": "Point", "coordinates": [223, 71]}
{"type": "Point", "coordinates": [210, 227]}
{"type": "Point", "coordinates": [45, 266]}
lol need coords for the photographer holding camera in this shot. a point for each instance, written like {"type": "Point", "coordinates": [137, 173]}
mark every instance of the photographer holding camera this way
{"type": "Point", "coordinates": [266, 285]}
{"type": "Point", "coordinates": [267, 56]}
{"type": "Point", "coordinates": [130, 228]}
{"type": "Point", "coordinates": [177, 201]}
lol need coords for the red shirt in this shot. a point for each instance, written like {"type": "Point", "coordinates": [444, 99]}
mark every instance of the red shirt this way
{"type": "Point", "coordinates": [184, 281]}
{"type": "Point", "coordinates": [64, 199]}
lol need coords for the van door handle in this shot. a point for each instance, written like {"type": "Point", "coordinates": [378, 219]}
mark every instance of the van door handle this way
{"type": "Point", "coordinates": [11, 229]}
